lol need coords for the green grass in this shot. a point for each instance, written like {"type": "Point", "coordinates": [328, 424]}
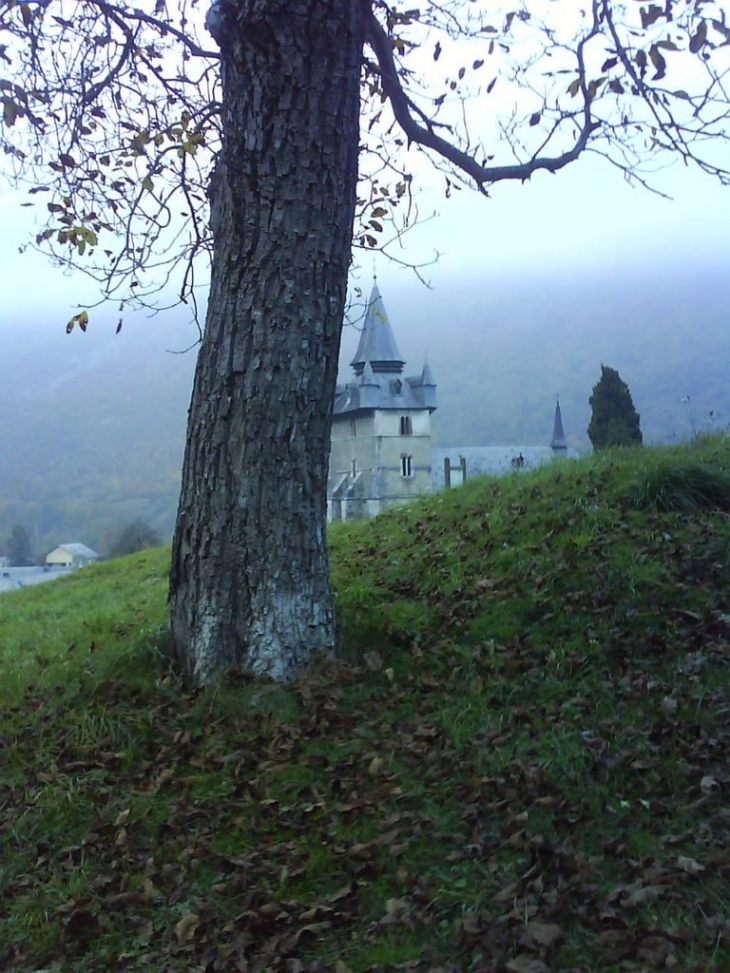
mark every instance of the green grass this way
{"type": "Point", "coordinates": [522, 765]}
{"type": "Point", "coordinates": [680, 487]}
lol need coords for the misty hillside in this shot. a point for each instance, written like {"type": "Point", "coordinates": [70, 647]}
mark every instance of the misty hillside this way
{"type": "Point", "coordinates": [500, 353]}
{"type": "Point", "coordinates": [92, 425]}
{"type": "Point", "coordinates": [91, 429]}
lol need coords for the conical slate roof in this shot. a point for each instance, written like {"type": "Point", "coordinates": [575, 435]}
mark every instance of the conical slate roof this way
{"type": "Point", "coordinates": [366, 376]}
{"type": "Point", "coordinates": [377, 344]}
{"type": "Point", "coordinates": [558, 441]}
{"type": "Point", "coordinates": [426, 376]}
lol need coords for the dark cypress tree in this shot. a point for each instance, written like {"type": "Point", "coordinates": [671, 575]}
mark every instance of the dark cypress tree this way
{"type": "Point", "coordinates": [19, 548]}
{"type": "Point", "coordinates": [614, 420]}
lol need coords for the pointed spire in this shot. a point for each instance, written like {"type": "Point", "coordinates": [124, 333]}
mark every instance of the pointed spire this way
{"type": "Point", "coordinates": [558, 441]}
{"type": "Point", "coordinates": [368, 388]}
{"type": "Point", "coordinates": [367, 377]}
{"type": "Point", "coordinates": [426, 376]}
{"type": "Point", "coordinates": [425, 387]}
{"type": "Point", "coordinates": [377, 344]}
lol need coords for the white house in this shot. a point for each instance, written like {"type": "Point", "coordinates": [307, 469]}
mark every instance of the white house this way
{"type": "Point", "coordinates": [71, 556]}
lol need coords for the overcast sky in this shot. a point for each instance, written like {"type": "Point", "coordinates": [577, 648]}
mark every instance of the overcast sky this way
{"type": "Point", "coordinates": [583, 219]}
{"type": "Point", "coordinates": [572, 223]}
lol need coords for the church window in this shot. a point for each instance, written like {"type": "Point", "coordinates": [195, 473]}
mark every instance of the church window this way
{"type": "Point", "coordinates": [354, 467]}
{"type": "Point", "coordinates": [406, 465]}
{"type": "Point", "coordinates": [406, 426]}
{"type": "Point", "coordinates": [353, 427]}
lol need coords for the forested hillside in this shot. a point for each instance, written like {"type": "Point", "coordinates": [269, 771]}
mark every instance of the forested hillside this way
{"type": "Point", "coordinates": [91, 429]}
{"type": "Point", "coordinates": [92, 425]}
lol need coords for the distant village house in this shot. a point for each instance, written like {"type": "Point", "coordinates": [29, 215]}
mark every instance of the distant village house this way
{"type": "Point", "coordinates": [62, 560]}
{"type": "Point", "coordinates": [71, 556]}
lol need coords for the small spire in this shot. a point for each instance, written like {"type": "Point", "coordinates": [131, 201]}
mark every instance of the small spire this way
{"type": "Point", "coordinates": [558, 441]}
{"type": "Point", "coordinates": [426, 376]}
{"type": "Point", "coordinates": [367, 377]}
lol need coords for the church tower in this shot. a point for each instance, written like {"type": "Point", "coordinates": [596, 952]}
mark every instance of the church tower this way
{"type": "Point", "coordinates": [381, 426]}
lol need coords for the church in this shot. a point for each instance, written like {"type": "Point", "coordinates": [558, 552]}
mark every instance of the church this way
{"type": "Point", "coordinates": [381, 453]}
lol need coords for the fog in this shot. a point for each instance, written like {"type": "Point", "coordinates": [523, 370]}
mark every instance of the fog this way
{"type": "Point", "coordinates": [557, 227]}
{"type": "Point", "coordinates": [518, 299]}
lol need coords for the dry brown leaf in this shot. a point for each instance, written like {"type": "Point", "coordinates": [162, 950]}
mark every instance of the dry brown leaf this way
{"type": "Point", "coordinates": [345, 892]}
{"type": "Point", "coordinates": [373, 660]}
{"type": "Point", "coordinates": [644, 894]}
{"type": "Point", "coordinates": [376, 765]}
{"type": "Point", "coordinates": [423, 732]}
{"type": "Point", "coordinates": [476, 686]}
{"type": "Point", "coordinates": [544, 933]}
{"type": "Point", "coordinates": [313, 929]}
{"type": "Point", "coordinates": [525, 964]}
{"type": "Point", "coordinates": [361, 849]}
{"type": "Point", "coordinates": [518, 840]}
{"type": "Point", "coordinates": [319, 912]}
{"type": "Point", "coordinates": [149, 891]}
{"type": "Point", "coordinates": [507, 893]}
{"type": "Point", "coordinates": [185, 927]}
{"type": "Point", "coordinates": [690, 865]}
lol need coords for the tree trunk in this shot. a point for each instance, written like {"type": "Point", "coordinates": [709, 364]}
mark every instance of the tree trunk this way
{"type": "Point", "coordinates": [249, 583]}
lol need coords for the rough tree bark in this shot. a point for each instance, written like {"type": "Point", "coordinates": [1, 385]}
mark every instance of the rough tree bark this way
{"type": "Point", "coordinates": [249, 581]}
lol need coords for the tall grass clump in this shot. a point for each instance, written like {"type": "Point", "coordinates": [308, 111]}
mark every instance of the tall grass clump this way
{"type": "Point", "coordinates": [680, 487]}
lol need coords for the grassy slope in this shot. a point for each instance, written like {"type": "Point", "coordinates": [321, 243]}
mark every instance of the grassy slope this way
{"type": "Point", "coordinates": [522, 769]}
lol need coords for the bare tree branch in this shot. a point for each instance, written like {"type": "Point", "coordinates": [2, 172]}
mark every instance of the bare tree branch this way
{"type": "Point", "coordinates": [427, 137]}
{"type": "Point", "coordinates": [112, 112]}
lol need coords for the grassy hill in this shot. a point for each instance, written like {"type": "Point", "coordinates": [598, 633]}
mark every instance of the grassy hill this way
{"type": "Point", "coordinates": [522, 766]}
